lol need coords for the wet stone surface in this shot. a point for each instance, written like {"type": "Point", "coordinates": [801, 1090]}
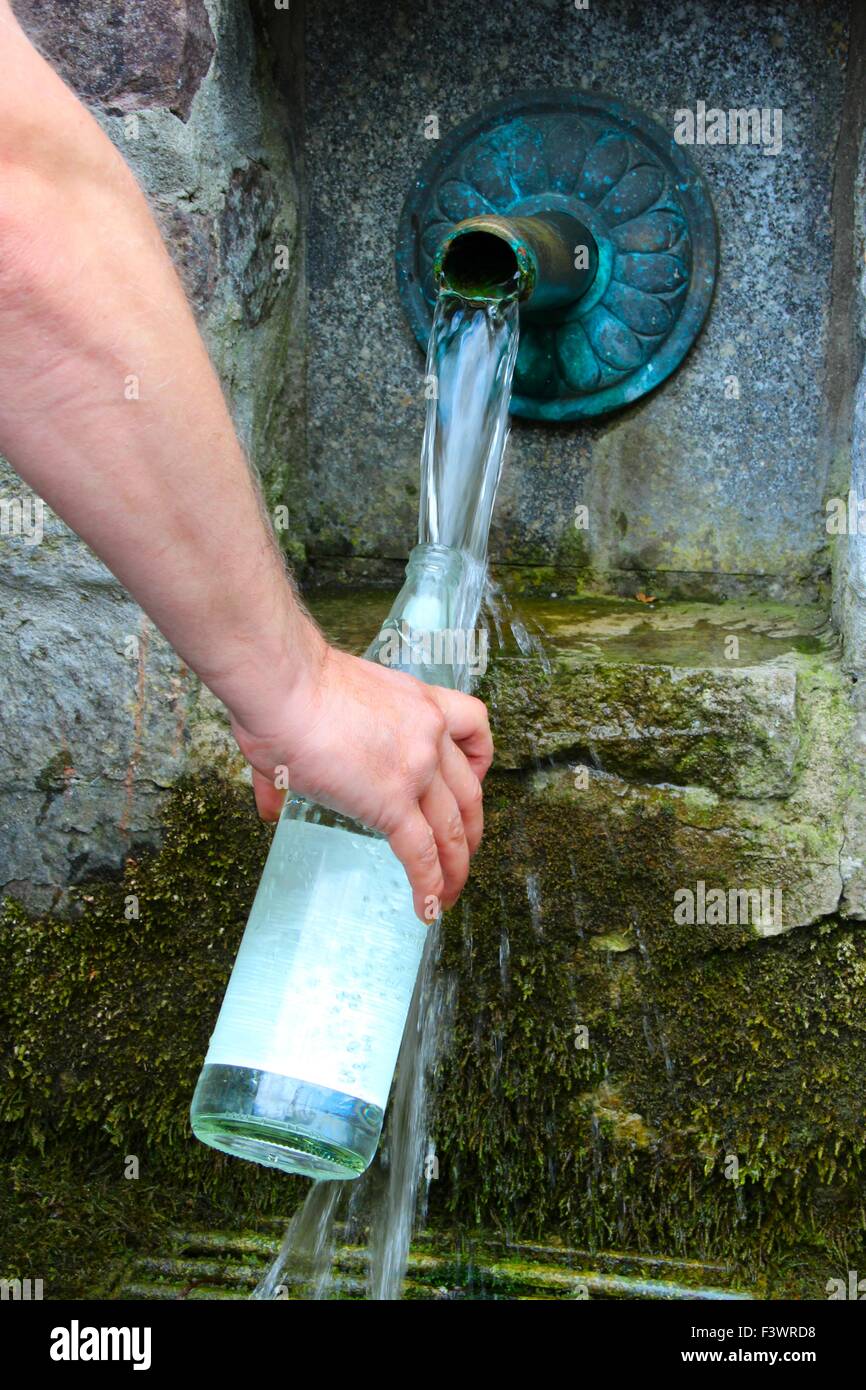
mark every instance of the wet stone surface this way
{"type": "Point", "coordinates": [624, 718]}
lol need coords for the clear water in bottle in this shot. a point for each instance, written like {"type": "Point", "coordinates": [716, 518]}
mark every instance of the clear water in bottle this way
{"type": "Point", "coordinates": [300, 1063]}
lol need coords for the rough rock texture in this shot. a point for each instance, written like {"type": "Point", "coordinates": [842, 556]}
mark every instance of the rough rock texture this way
{"type": "Point", "coordinates": [732, 729]}
{"type": "Point", "coordinates": [650, 723]}
{"type": "Point", "coordinates": [703, 492]}
{"type": "Point", "coordinates": [125, 57]}
{"type": "Point", "coordinates": [99, 717]}
{"type": "Point", "coordinates": [611, 1078]}
{"type": "Point", "coordinates": [849, 549]}
{"type": "Point", "coordinates": [117, 719]}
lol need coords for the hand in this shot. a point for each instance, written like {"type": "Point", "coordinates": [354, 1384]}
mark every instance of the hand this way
{"type": "Point", "coordinates": [403, 757]}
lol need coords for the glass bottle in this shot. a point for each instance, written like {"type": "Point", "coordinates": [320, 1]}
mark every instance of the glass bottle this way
{"type": "Point", "coordinates": [300, 1063]}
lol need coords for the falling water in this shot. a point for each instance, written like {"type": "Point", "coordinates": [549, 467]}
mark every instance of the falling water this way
{"type": "Point", "coordinates": [406, 1139]}
{"type": "Point", "coordinates": [308, 1247]}
{"type": "Point", "coordinates": [499, 612]}
{"type": "Point", "coordinates": [470, 364]}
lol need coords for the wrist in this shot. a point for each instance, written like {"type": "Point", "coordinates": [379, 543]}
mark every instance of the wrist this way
{"type": "Point", "coordinates": [276, 666]}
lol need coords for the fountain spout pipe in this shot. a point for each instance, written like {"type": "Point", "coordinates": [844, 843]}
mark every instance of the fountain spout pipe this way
{"type": "Point", "coordinates": [549, 259]}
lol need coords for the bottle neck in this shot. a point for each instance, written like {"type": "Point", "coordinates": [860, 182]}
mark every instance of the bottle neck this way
{"type": "Point", "coordinates": [424, 633]}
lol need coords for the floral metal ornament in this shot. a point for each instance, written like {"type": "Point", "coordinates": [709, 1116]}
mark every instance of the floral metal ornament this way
{"type": "Point", "coordinates": [647, 207]}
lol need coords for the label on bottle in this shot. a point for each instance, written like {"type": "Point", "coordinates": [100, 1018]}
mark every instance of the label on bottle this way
{"type": "Point", "coordinates": [325, 972]}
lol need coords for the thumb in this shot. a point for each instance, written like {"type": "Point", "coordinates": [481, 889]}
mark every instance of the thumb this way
{"type": "Point", "coordinates": [269, 800]}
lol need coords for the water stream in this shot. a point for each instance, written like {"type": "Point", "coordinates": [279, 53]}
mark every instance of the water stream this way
{"type": "Point", "coordinates": [470, 364]}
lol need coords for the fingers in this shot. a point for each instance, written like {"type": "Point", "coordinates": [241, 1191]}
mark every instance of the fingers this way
{"type": "Point", "coordinates": [467, 723]}
{"type": "Point", "coordinates": [466, 789]}
{"type": "Point", "coordinates": [414, 844]}
{"type": "Point", "coordinates": [417, 779]}
{"type": "Point", "coordinates": [440, 810]}
{"type": "Point", "coordinates": [269, 801]}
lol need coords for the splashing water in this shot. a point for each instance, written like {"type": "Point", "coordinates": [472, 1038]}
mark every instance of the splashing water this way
{"type": "Point", "coordinates": [533, 895]}
{"type": "Point", "coordinates": [470, 364]}
{"type": "Point", "coordinates": [308, 1247]}
{"type": "Point", "coordinates": [500, 612]}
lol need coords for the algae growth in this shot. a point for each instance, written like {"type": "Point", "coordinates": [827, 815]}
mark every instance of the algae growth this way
{"type": "Point", "coordinates": [756, 1052]}
{"type": "Point", "coordinates": [615, 1079]}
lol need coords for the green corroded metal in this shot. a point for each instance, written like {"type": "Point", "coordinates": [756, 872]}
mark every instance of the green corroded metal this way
{"type": "Point", "coordinates": [550, 258]}
{"type": "Point", "coordinates": [545, 174]}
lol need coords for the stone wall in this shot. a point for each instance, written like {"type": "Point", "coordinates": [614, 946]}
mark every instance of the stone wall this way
{"type": "Point", "coordinates": [613, 1077]}
{"type": "Point", "coordinates": [691, 490]}
{"type": "Point", "coordinates": [99, 717]}
{"type": "Point", "coordinates": [606, 1062]}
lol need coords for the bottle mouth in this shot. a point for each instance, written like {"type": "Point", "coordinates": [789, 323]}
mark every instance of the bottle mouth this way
{"type": "Point", "coordinates": [434, 555]}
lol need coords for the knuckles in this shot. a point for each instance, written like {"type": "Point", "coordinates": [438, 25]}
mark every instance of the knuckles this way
{"type": "Point", "coordinates": [428, 855]}
{"type": "Point", "coordinates": [454, 829]}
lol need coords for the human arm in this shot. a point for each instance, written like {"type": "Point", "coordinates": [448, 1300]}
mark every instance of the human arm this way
{"type": "Point", "coordinates": [158, 486]}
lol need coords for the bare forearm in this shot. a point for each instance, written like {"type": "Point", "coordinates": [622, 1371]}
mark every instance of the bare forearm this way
{"type": "Point", "coordinates": [111, 410]}
{"type": "Point", "coordinates": [109, 406]}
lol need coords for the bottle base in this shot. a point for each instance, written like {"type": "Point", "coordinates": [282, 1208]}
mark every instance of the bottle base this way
{"type": "Point", "coordinates": [281, 1122]}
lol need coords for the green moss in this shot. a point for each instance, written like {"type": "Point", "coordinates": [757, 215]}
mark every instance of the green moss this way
{"type": "Point", "coordinates": [647, 722]}
{"type": "Point", "coordinates": [536, 580]}
{"type": "Point", "coordinates": [53, 778]}
{"type": "Point", "coordinates": [747, 1050]}
{"type": "Point", "coordinates": [606, 1065]}
{"type": "Point", "coordinates": [574, 558]}
{"type": "Point", "coordinates": [104, 1024]}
